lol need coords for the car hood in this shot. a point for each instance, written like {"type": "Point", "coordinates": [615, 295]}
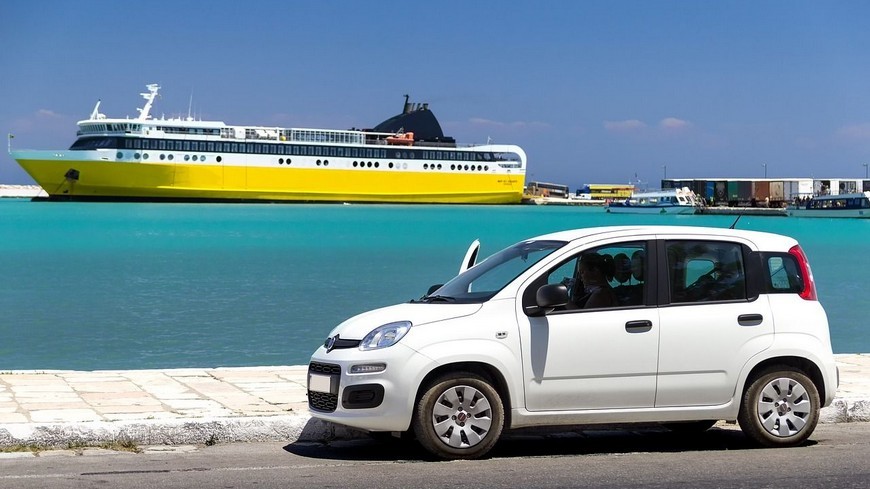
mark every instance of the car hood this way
{"type": "Point", "coordinates": [418, 314]}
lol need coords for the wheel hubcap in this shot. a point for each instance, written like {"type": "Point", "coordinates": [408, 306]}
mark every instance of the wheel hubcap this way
{"type": "Point", "coordinates": [462, 417]}
{"type": "Point", "coordinates": [784, 407]}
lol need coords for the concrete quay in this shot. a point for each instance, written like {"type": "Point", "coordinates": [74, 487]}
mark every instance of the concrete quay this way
{"type": "Point", "coordinates": [203, 406]}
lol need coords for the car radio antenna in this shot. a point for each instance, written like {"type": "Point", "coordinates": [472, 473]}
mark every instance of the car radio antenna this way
{"type": "Point", "coordinates": [735, 221]}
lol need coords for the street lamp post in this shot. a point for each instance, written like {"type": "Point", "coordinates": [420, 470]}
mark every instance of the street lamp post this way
{"type": "Point", "coordinates": [866, 170]}
{"type": "Point", "coordinates": [765, 169]}
{"type": "Point", "coordinates": [665, 168]}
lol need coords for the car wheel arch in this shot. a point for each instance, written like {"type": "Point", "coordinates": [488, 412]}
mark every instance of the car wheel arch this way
{"type": "Point", "coordinates": [487, 371]}
{"type": "Point", "coordinates": [800, 364]}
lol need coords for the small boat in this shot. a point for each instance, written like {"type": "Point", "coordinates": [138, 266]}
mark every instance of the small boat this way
{"type": "Point", "coordinates": [668, 201]}
{"type": "Point", "coordinates": [855, 205]}
{"type": "Point", "coordinates": [402, 139]}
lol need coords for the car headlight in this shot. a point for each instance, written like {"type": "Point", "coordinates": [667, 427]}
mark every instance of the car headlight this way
{"type": "Point", "coordinates": [385, 336]}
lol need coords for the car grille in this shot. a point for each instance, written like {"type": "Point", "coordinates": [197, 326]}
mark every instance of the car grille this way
{"type": "Point", "coordinates": [323, 401]}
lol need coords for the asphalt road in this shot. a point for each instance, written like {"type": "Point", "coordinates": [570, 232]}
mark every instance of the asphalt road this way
{"type": "Point", "coordinates": [836, 457]}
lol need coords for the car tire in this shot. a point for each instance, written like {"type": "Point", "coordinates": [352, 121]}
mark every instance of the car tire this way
{"type": "Point", "coordinates": [780, 408]}
{"type": "Point", "coordinates": [459, 416]}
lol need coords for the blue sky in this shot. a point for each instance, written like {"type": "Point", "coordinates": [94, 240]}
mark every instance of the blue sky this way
{"type": "Point", "coordinates": [594, 91]}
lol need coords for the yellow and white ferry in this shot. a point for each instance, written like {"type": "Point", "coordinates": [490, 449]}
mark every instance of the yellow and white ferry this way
{"type": "Point", "coordinates": [405, 159]}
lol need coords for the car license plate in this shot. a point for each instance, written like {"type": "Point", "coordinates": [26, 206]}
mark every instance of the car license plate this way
{"type": "Point", "coordinates": [320, 383]}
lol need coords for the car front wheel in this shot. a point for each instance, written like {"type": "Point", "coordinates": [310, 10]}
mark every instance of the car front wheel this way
{"type": "Point", "coordinates": [780, 408]}
{"type": "Point", "coordinates": [459, 416]}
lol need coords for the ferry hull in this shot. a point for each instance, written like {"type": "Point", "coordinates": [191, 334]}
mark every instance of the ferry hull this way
{"type": "Point", "coordinates": [104, 179]}
{"type": "Point", "coordinates": [831, 213]}
{"type": "Point", "coordinates": [673, 209]}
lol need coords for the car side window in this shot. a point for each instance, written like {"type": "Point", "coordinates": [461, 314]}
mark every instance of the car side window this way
{"type": "Point", "coordinates": [705, 271]}
{"type": "Point", "coordinates": [783, 274]}
{"type": "Point", "coordinates": [604, 277]}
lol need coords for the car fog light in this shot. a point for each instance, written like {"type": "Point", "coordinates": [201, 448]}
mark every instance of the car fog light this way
{"type": "Point", "coordinates": [369, 368]}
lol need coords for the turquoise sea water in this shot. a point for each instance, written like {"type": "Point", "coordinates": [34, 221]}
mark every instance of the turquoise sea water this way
{"type": "Point", "coordinates": [126, 286]}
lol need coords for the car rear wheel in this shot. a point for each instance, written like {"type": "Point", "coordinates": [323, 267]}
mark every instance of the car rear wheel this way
{"type": "Point", "coordinates": [780, 408]}
{"type": "Point", "coordinates": [459, 416]}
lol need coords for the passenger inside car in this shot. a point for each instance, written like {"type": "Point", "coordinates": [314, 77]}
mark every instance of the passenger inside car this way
{"type": "Point", "coordinates": [595, 271]}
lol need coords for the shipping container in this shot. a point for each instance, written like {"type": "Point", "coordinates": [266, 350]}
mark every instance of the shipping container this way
{"type": "Point", "coordinates": [866, 186]}
{"type": "Point", "coordinates": [733, 192]}
{"type": "Point", "coordinates": [710, 191]}
{"type": "Point", "coordinates": [777, 191]}
{"type": "Point", "coordinates": [761, 190]}
{"type": "Point", "coordinates": [744, 192]}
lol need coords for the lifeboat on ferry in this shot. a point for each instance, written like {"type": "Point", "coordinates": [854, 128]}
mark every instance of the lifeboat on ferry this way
{"type": "Point", "coordinates": [402, 139]}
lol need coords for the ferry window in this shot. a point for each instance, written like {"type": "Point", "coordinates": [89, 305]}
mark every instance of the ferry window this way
{"type": "Point", "coordinates": [128, 143]}
{"type": "Point", "coordinates": [194, 146]}
{"type": "Point", "coordinates": [235, 148]}
{"type": "Point", "coordinates": [186, 145]}
{"type": "Point", "coordinates": [340, 152]}
{"type": "Point", "coordinates": [332, 151]}
{"type": "Point", "coordinates": [210, 146]}
{"type": "Point", "coordinates": [369, 153]}
{"type": "Point", "coordinates": [161, 145]}
{"type": "Point", "coordinates": [452, 155]}
{"type": "Point", "coordinates": [355, 152]}
{"type": "Point", "coordinates": [137, 144]}
{"type": "Point", "coordinates": [703, 271]}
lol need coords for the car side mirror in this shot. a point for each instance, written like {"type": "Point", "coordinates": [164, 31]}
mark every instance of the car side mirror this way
{"type": "Point", "coordinates": [551, 296]}
{"type": "Point", "coordinates": [433, 288]}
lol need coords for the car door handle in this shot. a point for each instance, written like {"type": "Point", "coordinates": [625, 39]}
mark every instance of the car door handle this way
{"type": "Point", "coordinates": [750, 319]}
{"type": "Point", "coordinates": [638, 326]}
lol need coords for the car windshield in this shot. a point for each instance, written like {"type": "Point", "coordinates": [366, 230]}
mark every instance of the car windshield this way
{"type": "Point", "coordinates": [484, 280]}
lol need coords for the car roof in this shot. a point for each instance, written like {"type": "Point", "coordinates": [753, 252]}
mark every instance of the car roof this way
{"type": "Point", "coordinates": [762, 240]}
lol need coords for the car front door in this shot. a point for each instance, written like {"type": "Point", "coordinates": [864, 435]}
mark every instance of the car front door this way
{"type": "Point", "coordinates": [577, 358]}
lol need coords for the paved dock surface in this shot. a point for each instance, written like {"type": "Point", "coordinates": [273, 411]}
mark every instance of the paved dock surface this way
{"type": "Point", "coordinates": [220, 405]}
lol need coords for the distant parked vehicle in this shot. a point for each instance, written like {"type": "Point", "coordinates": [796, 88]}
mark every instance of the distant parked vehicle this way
{"type": "Point", "coordinates": [672, 325]}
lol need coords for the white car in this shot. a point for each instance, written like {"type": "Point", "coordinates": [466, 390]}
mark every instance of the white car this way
{"type": "Point", "coordinates": [682, 326]}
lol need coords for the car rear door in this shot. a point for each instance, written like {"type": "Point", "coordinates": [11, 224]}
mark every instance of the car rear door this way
{"type": "Point", "coordinates": [711, 320]}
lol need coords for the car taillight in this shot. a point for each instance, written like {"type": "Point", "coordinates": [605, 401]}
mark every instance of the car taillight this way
{"type": "Point", "coordinates": [809, 290]}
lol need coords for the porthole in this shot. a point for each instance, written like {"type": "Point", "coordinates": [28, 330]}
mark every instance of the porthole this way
{"type": "Point", "coordinates": [318, 162]}
{"type": "Point", "coordinates": [201, 157]}
{"type": "Point", "coordinates": [466, 167]}
{"type": "Point", "coordinates": [486, 167]}
{"type": "Point", "coordinates": [162, 156]}
{"type": "Point", "coordinates": [120, 155]}
{"type": "Point", "coordinates": [219, 159]}
{"type": "Point", "coordinates": [280, 161]}
{"type": "Point", "coordinates": [369, 164]}
{"type": "Point", "coordinates": [186, 157]}
{"type": "Point", "coordinates": [425, 166]}
{"type": "Point", "coordinates": [325, 162]}
{"type": "Point", "coordinates": [479, 168]}
{"type": "Point", "coordinates": [194, 157]}
{"type": "Point", "coordinates": [354, 164]}
{"type": "Point", "coordinates": [404, 166]}
{"type": "Point", "coordinates": [377, 164]}
{"type": "Point", "coordinates": [452, 167]}
{"type": "Point", "coordinates": [136, 155]}
{"type": "Point", "coordinates": [145, 156]}
{"type": "Point", "coordinates": [288, 161]}
{"type": "Point", "coordinates": [391, 164]}
{"type": "Point", "coordinates": [439, 166]}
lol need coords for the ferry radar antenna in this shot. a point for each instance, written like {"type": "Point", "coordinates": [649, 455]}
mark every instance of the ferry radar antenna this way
{"type": "Point", "coordinates": [149, 100]}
